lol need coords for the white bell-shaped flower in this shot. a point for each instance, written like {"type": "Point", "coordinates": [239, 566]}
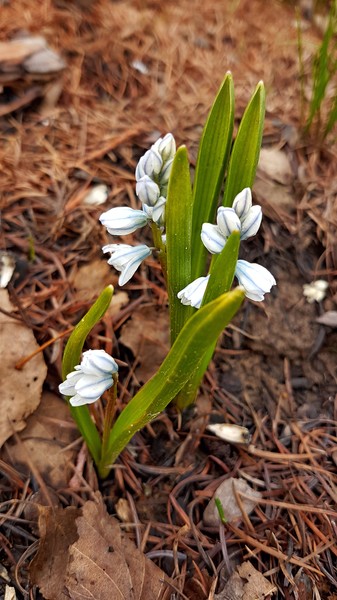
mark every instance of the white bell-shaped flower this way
{"type": "Point", "coordinates": [212, 238]}
{"type": "Point", "coordinates": [193, 293]}
{"type": "Point", "coordinates": [90, 379]}
{"type": "Point", "coordinates": [126, 259]}
{"type": "Point", "coordinates": [255, 279]}
{"type": "Point", "coordinates": [228, 221]}
{"type": "Point", "coordinates": [166, 147]}
{"type": "Point", "coordinates": [147, 190]}
{"type": "Point", "coordinates": [149, 164]}
{"type": "Point", "coordinates": [123, 220]}
{"type": "Point", "coordinates": [243, 203]}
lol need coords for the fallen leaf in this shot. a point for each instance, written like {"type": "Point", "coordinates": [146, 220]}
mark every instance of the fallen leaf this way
{"type": "Point", "coordinates": [88, 556]}
{"type": "Point", "coordinates": [234, 434]}
{"type": "Point", "coordinates": [146, 334]}
{"type": "Point", "coordinates": [48, 433]}
{"type": "Point", "coordinates": [57, 528]}
{"type": "Point", "coordinates": [20, 390]}
{"type": "Point", "coordinates": [246, 584]}
{"type": "Point", "coordinates": [9, 593]}
{"type": "Point", "coordinates": [275, 164]}
{"type": "Point", "coordinates": [88, 281]}
{"type": "Point", "coordinates": [226, 494]}
{"type": "Point", "coordinates": [328, 318]}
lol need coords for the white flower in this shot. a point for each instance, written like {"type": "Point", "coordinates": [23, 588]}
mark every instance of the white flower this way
{"type": "Point", "coordinates": [212, 238]}
{"type": "Point", "coordinates": [147, 190]}
{"type": "Point", "coordinates": [228, 221]}
{"type": "Point", "coordinates": [193, 293]}
{"type": "Point", "coordinates": [255, 280]}
{"type": "Point", "coordinates": [126, 259]}
{"type": "Point", "coordinates": [250, 216]}
{"type": "Point", "coordinates": [166, 147]}
{"type": "Point", "coordinates": [149, 164]}
{"type": "Point", "coordinates": [242, 217]}
{"type": "Point", "coordinates": [315, 291]}
{"type": "Point", "coordinates": [89, 379]}
{"type": "Point", "coordinates": [123, 220]}
{"type": "Point", "coordinates": [165, 173]}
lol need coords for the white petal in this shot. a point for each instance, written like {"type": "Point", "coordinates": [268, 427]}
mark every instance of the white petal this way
{"type": "Point", "coordinates": [193, 293]}
{"type": "Point", "coordinates": [126, 259]}
{"type": "Point", "coordinates": [212, 238]}
{"type": "Point", "coordinates": [251, 223]}
{"type": "Point", "coordinates": [152, 163]}
{"type": "Point", "coordinates": [159, 211]}
{"type": "Point", "coordinates": [98, 362]}
{"type": "Point", "coordinates": [243, 203]}
{"type": "Point", "coordinates": [228, 221]}
{"type": "Point", "coordinates": [147, 190]}
{"type": "Point", "coordinates": [255, 279]}
{"type": "Point", "coordinates": [123, 220]}
{"type": "Point", "coordinates": [92, 386]}
{"type": "Point", "coordinates": [78, 400]}
{"type": "Point", "coordinates": [67, 388]}
{"type": "Point", "coordinates": [165, 172]}
{"type": "Point", "coordinates": [167, 147]}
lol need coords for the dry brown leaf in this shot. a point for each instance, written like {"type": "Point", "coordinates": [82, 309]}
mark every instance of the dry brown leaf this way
{"type": "Point", "coordinates": [246, 584]}
{"type": "Point", "coordinates": [57, 528]}
{"type": "Point", "coordinates": [49, 431]}
{"type": "Point", "coordinates": [328, 318]}
{"type": "Point", "coordinates": [90, 557]}
{"type": "Point", "coordinates": [226, 494]}
{"type": "Point", "coordinates": [20, 390]}
{"type": "Point", "coordinates": [146, 334]}
{"type": "Point", "coordinates": [89, 280]}
{"type": "Point", "coordinates": [275, 164]}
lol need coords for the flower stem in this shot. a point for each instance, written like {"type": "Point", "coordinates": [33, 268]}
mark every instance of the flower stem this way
{"type": "Point", "coordinates": [103, 467]}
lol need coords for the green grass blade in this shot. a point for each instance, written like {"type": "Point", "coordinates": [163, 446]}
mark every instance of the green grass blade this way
{"type": "Point", "coordinates": [223, 269]}
{"type": "Point", "coordinates": [178, 216]}
{"type": "Point", "coordinates": [246, 149]}
{"type": "Point", "coordinates": [201, 331]}
{"type": "Point", "coordinates": [72, 356]}
{"type": "Point", "coordinates": [322, 68]}
{"type": "Point", "coordinates": [211, 165]}
{"type": "Point", "coordinates": [220, 281]}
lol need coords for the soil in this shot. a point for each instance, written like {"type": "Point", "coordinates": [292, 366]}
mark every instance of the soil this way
{"type": "Point", "coordinates": [274, 371]}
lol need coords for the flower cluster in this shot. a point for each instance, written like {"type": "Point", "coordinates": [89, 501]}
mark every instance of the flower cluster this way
{"type": "Point", "coordinates": [152, 175]}
{"type": "Point", "coordinates": [246, 219]}
{"type": "Point", "coordinates": [90, 379]}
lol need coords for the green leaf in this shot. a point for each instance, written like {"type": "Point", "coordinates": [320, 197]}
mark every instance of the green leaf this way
{"type": "Point", "coordinates": [178, 215]}
{"type": "Point", "coordinates": [220, 281]}
{"type": "Point", "coordinates": [246, 148]}
{"type": "Point", "coordinates": [71, 358]}
{"type": "Point", "coordinates": [210, 169]}
{"type": "Point", "coordinates": [201, 331]}
{"type": "Point", "coordinates": [223, 269]}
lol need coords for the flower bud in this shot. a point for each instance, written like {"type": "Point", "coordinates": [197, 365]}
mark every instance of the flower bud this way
{"type": "Point", "coordinates": [228, 221]}
{"type": "Point", "coordinates": [243, 203]}
{"type": "Point", "coordinates": [193, 293]}
{"type": "Point", "coordinates": [123, 220]}
{"type": "Point", "coordinates": [255, 279]}
{"type": "Point", "coordinates": [147, 190]}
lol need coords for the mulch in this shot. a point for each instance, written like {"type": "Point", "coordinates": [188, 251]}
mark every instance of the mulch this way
{"type": "Point", "coordinates": [136, 70]}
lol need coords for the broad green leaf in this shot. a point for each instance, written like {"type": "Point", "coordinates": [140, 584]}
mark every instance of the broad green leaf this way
{"type": "Point", "coordinates": [210, 169]}
{"type": "Point", "coordinates": [223, 269]}
{"type": "Point", "coordinates": [178, 216]}
{"type": "Point", "coordinates": [201, 331]}
{"type": "Point", "coordinates": [246, 149]}
{"type": "Point", "coordinates": [72, 356]}
{"type": "Point", "coordinates": [220, 281]}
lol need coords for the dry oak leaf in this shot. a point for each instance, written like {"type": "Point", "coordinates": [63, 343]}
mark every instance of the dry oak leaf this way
{"type": "Point", "coordinates": [20, 390]}
{"type": "Point", "coordinates": [246, 584]}
{"type": "Point", "coordinates": [102, 563]}
{"type": "Point", "coordinates": [50, 430]}
{"type": "Point", "coordinates": [146, 334]}
{"type": "Point", "coordinates": [226, 493]}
